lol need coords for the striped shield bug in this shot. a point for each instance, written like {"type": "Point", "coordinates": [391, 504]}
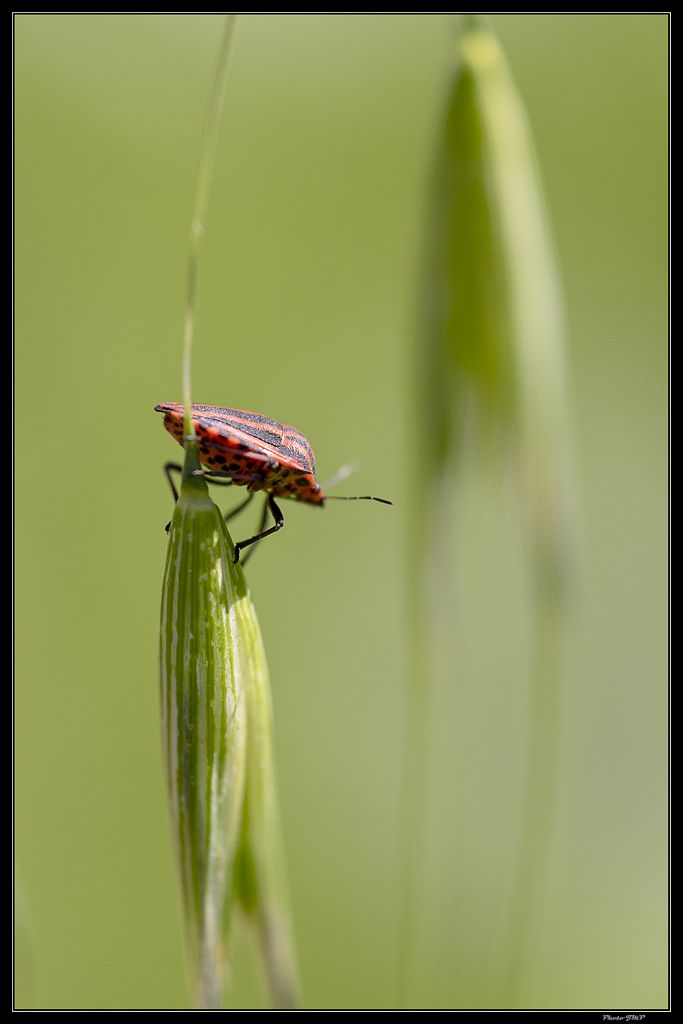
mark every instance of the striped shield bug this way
{"type": "Point", "coordinates": [252, 451]}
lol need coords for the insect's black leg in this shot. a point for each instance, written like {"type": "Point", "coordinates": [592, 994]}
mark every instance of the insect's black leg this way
{"type": "Point", "coordinates": [261, 527]}
{"type": "Point", "coordinates": [229, 515]}
{"type": "Point", "coordinates": [222, 481]}
{"type": "Point", "coordinates": [277, 515]}
{"type": "Point", "coordinates": [172, 467]}
{"type": "Point", "coordinates": [175, 467]}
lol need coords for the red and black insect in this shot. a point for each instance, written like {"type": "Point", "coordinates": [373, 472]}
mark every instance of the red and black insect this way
{"type": "Point", "coordinates": [252, 451]}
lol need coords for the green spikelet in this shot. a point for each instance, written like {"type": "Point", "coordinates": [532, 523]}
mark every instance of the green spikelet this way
{"type": "Point", "coordinates": [215, 705]}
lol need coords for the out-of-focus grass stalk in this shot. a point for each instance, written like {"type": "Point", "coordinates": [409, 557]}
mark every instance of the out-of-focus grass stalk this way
{"type": "Point", "coordinates": [491, 381]}
{"type": "Point", "coordinates": [215, 703]}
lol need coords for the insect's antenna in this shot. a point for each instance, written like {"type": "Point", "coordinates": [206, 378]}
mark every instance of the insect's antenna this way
{"type": "Point", "coordinates": [357, 497]}
{"type": "Point", "coordinates": [341, 474]}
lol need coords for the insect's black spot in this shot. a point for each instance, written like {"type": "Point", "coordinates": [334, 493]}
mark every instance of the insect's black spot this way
{"type": "Point", "coordinates": [302, 481]}
{"type": "Point", "coordinates": [234, 466]}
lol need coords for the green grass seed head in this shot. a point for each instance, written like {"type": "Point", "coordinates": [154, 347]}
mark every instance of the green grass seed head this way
{"type": "Point", "coordinates": [217, 741]}
{"type": "Point", "coordinates": [492, 334]}
{"type": "Point", "coordinates": [203, 710]}
{"type": "Point", "coordinates": [491, 382]}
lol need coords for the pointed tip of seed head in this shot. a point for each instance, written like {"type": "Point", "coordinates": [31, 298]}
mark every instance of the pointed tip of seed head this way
{"type": "Point", "coordinates": [479, 48]}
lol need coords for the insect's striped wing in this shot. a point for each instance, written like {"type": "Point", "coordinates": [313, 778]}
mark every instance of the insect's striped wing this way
{"type": "Point", "coordinates": [256, 433]}
{"type": "Point", "coordinates": [239, 431]}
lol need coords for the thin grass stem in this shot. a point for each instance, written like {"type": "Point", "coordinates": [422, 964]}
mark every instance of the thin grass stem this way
{"type": "Point", "coordinates": [207, 159]}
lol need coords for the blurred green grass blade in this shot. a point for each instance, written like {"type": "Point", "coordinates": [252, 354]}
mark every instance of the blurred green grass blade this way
{"type": "Point", "coordinates": [205, 667]}
{"type": "Point", "coordinates": [505, 341]}
{"type": "Point", "coordinates": [493, 375]}
{"type": "Point", "coordinates": [491, 384]}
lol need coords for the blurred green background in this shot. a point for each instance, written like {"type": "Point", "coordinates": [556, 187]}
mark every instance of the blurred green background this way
{"type": "Point", "coordinates": [306, 313]}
